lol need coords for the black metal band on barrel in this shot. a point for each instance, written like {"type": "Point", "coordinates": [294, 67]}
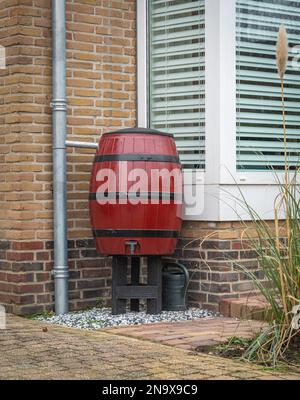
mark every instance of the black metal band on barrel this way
{"type": "Point", "coordinates": [137, 157]}
{"type": "Point", "coordinates": [135, 233]}
{"type": "Point", "coordinates": [136, 196]}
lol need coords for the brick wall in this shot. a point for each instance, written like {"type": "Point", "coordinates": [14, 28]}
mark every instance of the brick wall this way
{"type": "Point", "coordinates": [101, 95]}
{"type": "Point", "coordinates": [26, 284]}
{"type": "Point", "coordinates": [215, 255]}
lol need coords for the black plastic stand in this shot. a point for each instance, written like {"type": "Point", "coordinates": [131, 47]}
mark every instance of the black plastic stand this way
{"type": "Point", "coordinates": [122, 291]}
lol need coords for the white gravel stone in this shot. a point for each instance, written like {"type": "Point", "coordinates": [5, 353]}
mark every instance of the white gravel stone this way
{"type": "Point", "coordinates": [99, 318]}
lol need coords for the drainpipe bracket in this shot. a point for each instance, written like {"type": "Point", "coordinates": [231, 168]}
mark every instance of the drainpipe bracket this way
{"type": "Point", "coordinates": [59, 105]}
{"type": "Point", "coordinates": [60, 272]}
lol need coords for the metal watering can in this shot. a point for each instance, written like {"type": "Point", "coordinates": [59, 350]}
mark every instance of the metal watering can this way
{"type": "Point", "coordinates": [175, 279]}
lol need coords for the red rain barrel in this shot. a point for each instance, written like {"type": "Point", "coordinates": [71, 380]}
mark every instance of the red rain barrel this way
{"type": "Point", "coordinates": [136, 193]}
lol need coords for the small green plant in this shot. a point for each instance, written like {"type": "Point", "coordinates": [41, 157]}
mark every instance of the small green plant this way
{"type": "Point", "coordinates": [238, 341]}
{"type": "Point", "coordinates": [235, 345]}
{"type": "Point", "coordinates": [44, 314]}
{"type": "Point", "coordinates": [233, 348]}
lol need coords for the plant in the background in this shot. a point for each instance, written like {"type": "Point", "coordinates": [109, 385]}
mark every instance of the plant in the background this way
{"type": "Point", "coordinates": [278, 251]}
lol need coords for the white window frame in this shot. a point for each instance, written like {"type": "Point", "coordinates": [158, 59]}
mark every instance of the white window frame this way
{"type": "Point", "coordinates": [221, 176]}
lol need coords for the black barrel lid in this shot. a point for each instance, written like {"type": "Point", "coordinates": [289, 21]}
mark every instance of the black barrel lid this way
{"type": "Point", "coordinates": [140, 130]}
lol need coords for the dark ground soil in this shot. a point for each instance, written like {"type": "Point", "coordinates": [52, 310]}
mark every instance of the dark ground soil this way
{"type": "Point", "coordinates": [236, 347]}
{"type": "Point", "coordinates": [293, 354]}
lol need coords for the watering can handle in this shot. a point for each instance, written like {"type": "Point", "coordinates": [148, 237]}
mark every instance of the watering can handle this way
{"type": "Point", "coordinates": [182, 268]}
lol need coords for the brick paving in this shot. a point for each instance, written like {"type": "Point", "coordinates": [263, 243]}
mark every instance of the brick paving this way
{"type": "Point", "coordinates": [254, 307]}
{"type": "Point", "coordinates": [32, 350]}
{"type": "Point", "coordinates": [191, 334]}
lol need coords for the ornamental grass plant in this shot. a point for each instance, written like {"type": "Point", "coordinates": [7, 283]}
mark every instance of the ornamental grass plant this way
{"type": "Point", "coordinates": [278, 251]}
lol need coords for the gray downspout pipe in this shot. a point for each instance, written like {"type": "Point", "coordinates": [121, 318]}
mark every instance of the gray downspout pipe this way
{"type": "Point", "coordinates": [59, 122]}
{"type": "Point", "coordinates": [82, 145]}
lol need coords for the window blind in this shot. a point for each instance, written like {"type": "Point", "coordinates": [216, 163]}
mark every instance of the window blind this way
{"type": "Point", "coordinates": [177, 75]}
{"type": "Point", "coordinates": [259, 108]}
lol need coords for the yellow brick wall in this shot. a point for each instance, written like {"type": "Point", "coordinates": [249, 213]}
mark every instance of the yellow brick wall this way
{"type": "Point", "coordinates": [101, 83]}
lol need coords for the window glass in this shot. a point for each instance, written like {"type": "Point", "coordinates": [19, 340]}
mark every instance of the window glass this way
{"type": "Point", "coordinates": [259, 106]}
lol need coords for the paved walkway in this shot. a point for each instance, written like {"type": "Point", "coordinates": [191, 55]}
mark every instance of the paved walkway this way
{"type": "Point", "coordinates": [192, 334]}
{"type": "Point", "coordinates": [33, 350]}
